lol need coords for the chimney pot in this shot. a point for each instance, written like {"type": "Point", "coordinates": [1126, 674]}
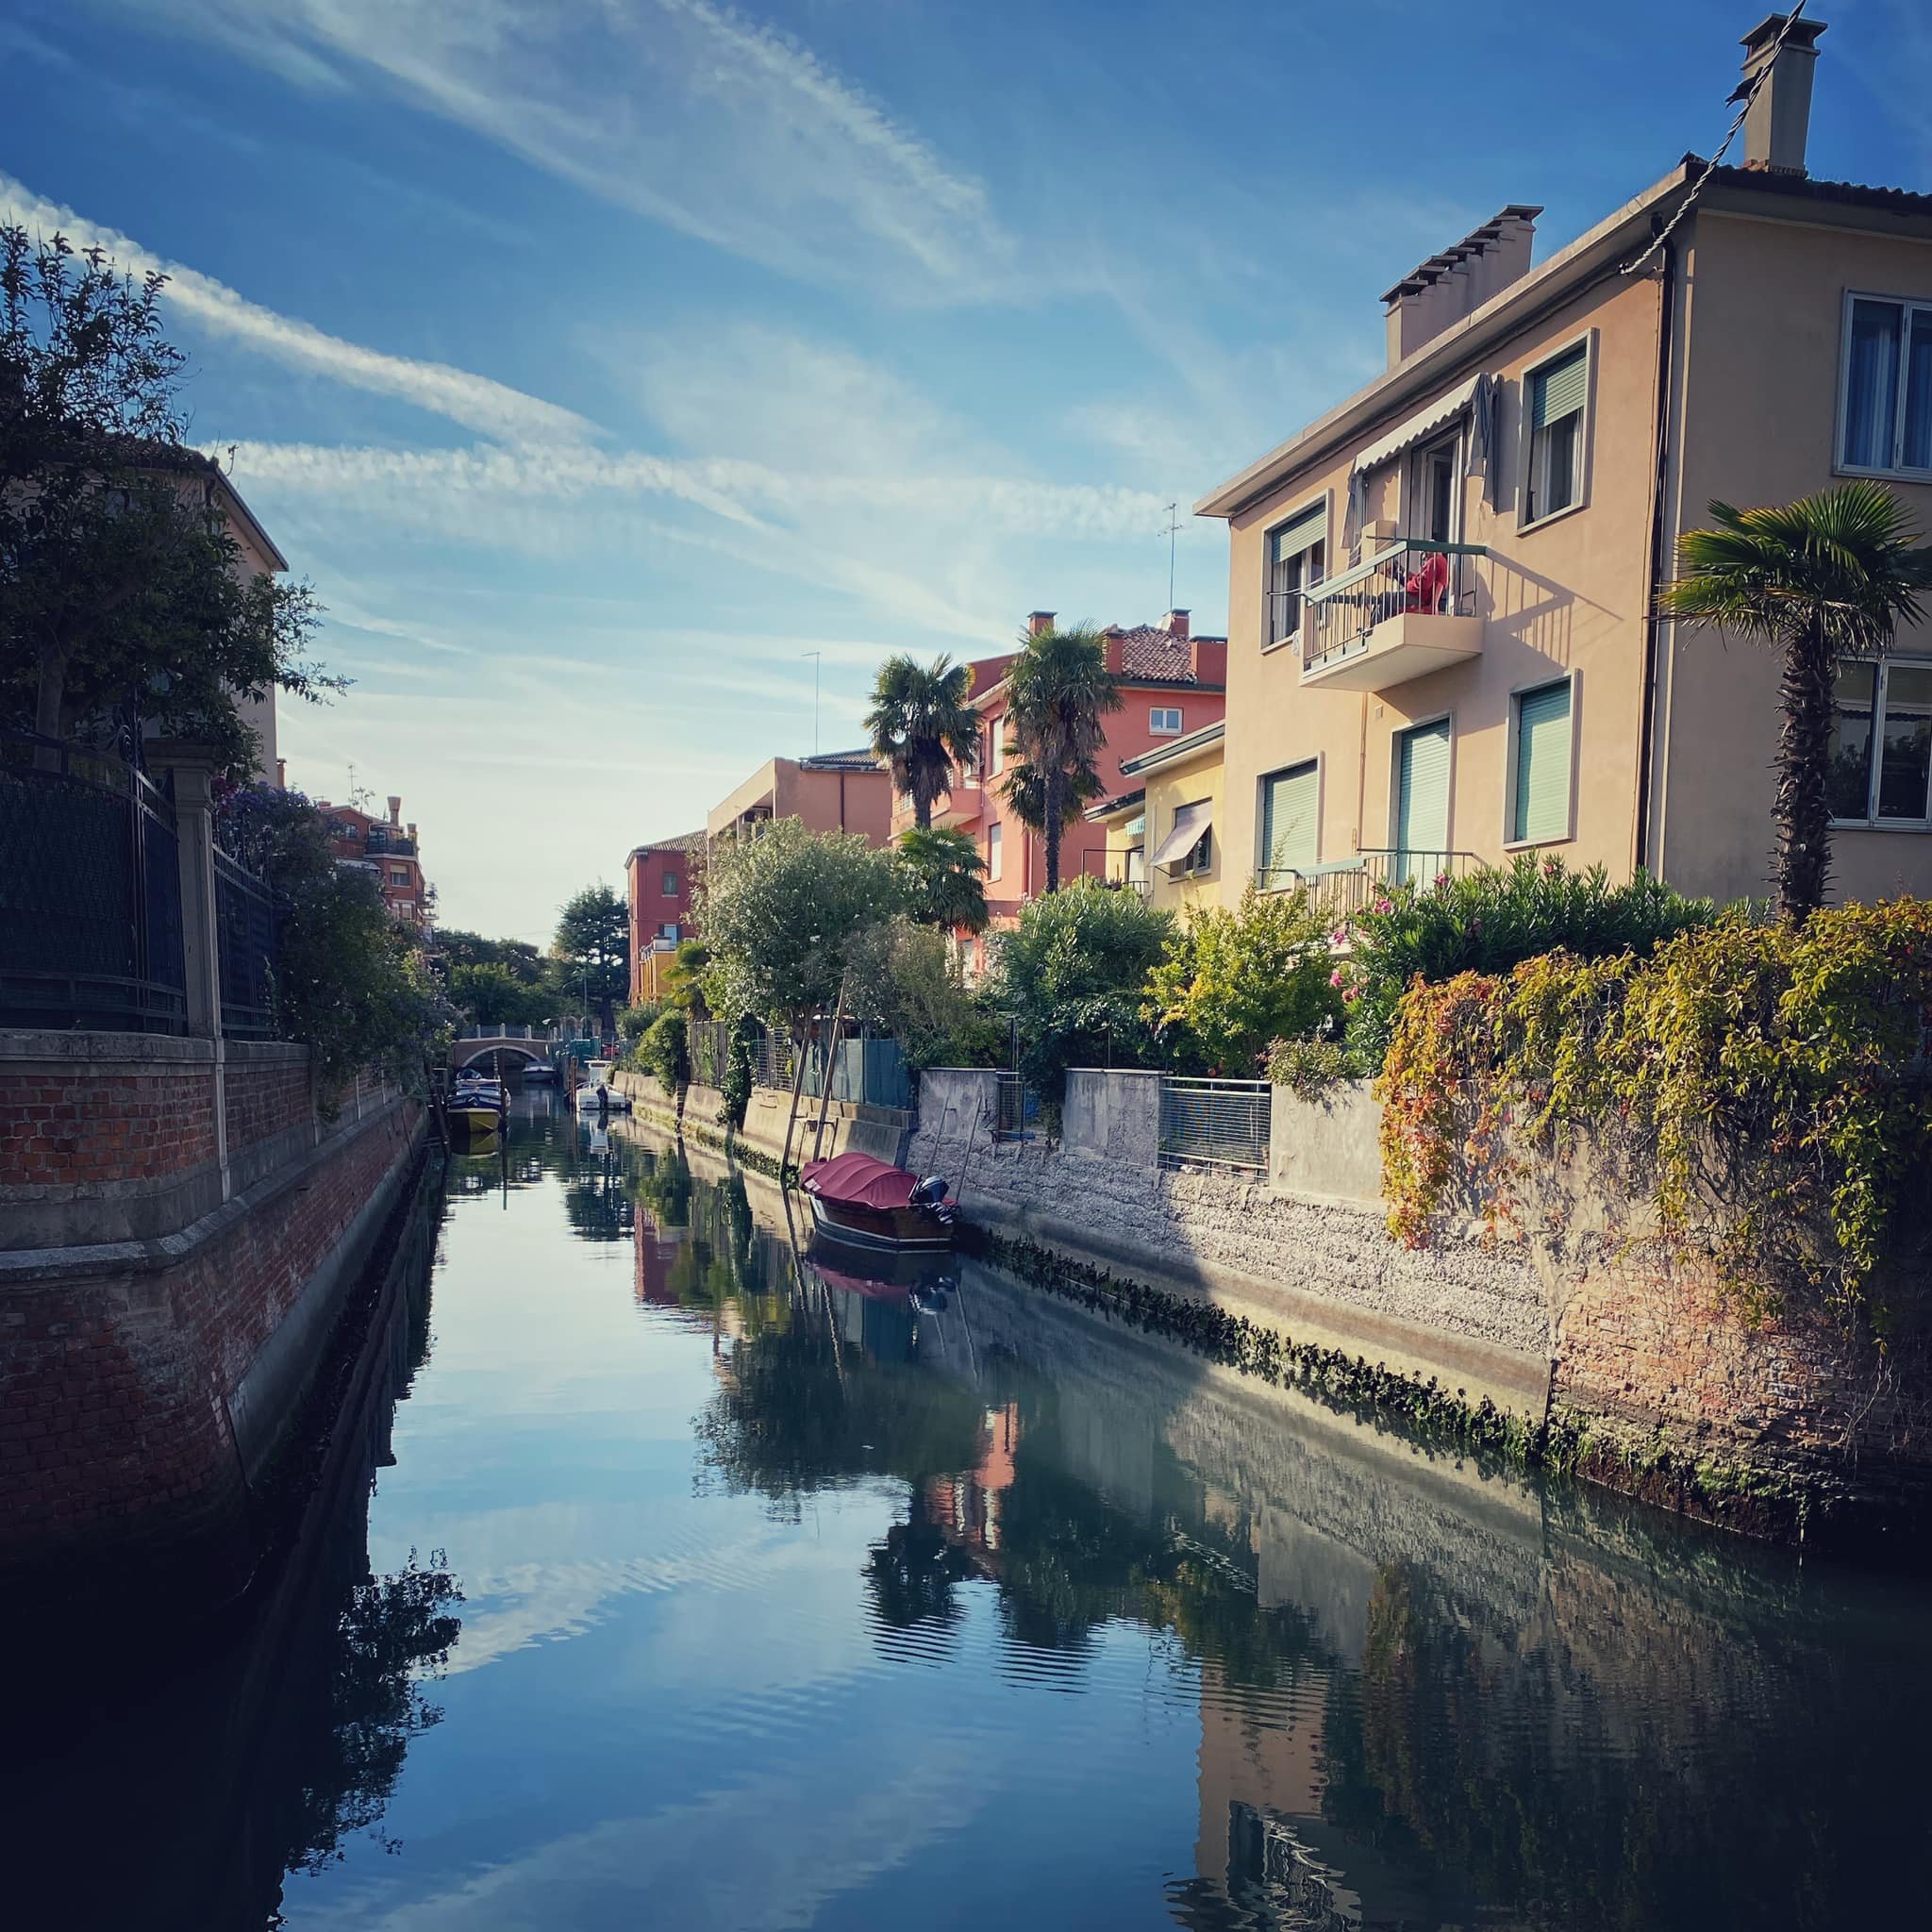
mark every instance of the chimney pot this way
{"type": "Point", "coordinates": [395, 810]}
{"type": "Point", "coordinates": [281, 774]}
{"type": "Point", "coordinates": [1176, 624]}
{"type": "Point", "coordinates": [1779, 121]}
{"type": "Point", "coordinates": [1038, 623]}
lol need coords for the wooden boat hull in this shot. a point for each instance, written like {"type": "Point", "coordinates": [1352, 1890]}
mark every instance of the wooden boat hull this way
{"type": "Point", "coordinates": [889, 1228]}
{"type": "Point", "coordinates": [473, 1122]}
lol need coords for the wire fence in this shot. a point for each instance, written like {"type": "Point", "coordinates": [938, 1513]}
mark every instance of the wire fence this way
{"type": "Point", "coordinates": [1216, 1124]}
{"type": "Point", "coordinates": [1015, 1110]}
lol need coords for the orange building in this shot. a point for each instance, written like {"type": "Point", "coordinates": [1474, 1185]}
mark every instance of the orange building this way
{"type": "Point", "coordinates": [386, 847]}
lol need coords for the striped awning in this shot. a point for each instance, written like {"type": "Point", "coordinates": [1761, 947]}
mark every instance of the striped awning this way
{"type": "Point", "coordinates": [1424, 423]}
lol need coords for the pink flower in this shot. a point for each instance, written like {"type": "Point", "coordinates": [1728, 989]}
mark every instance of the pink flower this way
{"type": "Point", "coordinates": [1350, 994]}
{"type": "Point", "coordinates": [1441, 878]}
{"type": "Point", "coordinates": [1335, 978]}
{"type": "Point", "coordinates": [1385, 903]}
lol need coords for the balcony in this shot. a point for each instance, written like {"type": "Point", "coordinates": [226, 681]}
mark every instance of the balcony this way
{"type": "Point", "coordinates": [1407, 612]}
{"type": "Point", "coordinates": [1347, 886]}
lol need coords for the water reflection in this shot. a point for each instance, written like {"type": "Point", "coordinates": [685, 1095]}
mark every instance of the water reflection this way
{"type": "Point", "coordinates": [1423, 1699]}
{"type": "Point", "coordinates": [799, 1593]}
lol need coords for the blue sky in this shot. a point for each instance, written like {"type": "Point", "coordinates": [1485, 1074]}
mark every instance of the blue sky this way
{"type": "Point", "coordinates": [595, 359]}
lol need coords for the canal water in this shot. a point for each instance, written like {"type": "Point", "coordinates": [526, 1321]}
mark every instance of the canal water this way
{"type": "Point", "coordinates": [681, 1579]}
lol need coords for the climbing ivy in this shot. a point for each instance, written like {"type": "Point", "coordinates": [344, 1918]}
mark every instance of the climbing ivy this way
{"type": "Point", "coordinates": [1761, 1084]}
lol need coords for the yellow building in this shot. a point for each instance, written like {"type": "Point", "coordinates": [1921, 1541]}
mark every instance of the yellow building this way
{"type": "Point", "coordinates": [1161, 839]}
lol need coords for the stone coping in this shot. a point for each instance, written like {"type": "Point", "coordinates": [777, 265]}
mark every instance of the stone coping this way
{"type": "Point", "coordinates": [47, 1048]}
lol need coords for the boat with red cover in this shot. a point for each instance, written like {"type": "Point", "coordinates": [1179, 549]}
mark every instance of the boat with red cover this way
{"type": "Point", "coordinates": [874, 1204]}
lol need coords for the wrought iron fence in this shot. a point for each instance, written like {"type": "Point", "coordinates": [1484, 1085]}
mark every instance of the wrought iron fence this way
{"type": "Point", "coordinates": [89, 893]}
{"type": "Point", "coordinates": [1215, 1123]}
{"type": "Point", "coordinates": [245, 936]}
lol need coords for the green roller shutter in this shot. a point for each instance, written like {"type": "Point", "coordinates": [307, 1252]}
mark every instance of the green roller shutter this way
{"type": "Point", "coordinates": [1421, 804]}
{"type": "Point", "coordinates": [1557, 389]}
{"type": "Point", "coordinates": [1288, 832]}
{"type": "Point", "coordinates": [1542, 763]}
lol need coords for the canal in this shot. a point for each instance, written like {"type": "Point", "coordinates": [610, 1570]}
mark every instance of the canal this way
{"type": "Point", "coordinates": [668, 1578]}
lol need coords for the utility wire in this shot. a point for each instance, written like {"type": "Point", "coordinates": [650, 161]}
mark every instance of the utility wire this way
{"type": "Point", "coordinates": [1747, 93]}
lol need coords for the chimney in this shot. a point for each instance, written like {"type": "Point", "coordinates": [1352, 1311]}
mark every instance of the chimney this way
{"type": "Point", "coordinates": [1438, 294]}
{"type": "Point", "coordinates": [395, 810]}
{"type": "Point", "coordinates": [413, 830]}
{"type": "Point", "coordinates": [1038, 623]}
{"type": "Point", "coordinates": [281, 774]}
{"type": "Point", "coordinates": [1781, 116]}
{"type": "Point", "coordinates": [1176, 624]}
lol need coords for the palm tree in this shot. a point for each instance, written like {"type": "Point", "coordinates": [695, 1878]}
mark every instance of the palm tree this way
{"type": "Point", "coordinates": [922, 726]}
{"type": "Point", "coordinates": [1828, 577]}
{"type": "Point", "coordinates": [944, 870]}
{"type": "Point", "coordinates": [1058, 692]}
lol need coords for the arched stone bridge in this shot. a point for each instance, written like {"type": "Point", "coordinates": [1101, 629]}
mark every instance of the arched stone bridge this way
{"type": "Point", "coordinates": [527, 1043]}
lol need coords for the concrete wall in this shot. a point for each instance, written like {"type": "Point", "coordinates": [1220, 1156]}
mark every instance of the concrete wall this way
{"type": "Point", "coordinates": [1327, 1149]}
{"type": "Point", "coordinates": [1113, 1116]}
{"type": "Point", "coordinates": [180, 1231]}
{"type": "Point", "coordinates": [879, 1131]}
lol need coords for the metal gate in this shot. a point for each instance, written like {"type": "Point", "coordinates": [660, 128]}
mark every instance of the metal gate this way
{"type": "Point", "coordinates": [1216, 1124]}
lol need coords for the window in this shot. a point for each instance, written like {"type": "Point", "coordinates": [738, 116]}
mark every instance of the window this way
{"type": "Point", "coordinates": [1885, 412]}
{"type": "Point", "coordinates": [994, 867]}
{"type": "Point", "coordinates": [1881, 744]}
{"type": "Point", "coordinates": [1552, 402]}
{"type": "Point", "coordinates": [1200, 856]}
{"type": "Point", "coordinates": [399, 874]}
{"type": "Point", "coordinates": [1164, 721]}
{"type": "Point", "coordinates": [1294, 567]}
{"type": "Point", "coordinates": [1421, 802]}
{"type": "Point", "coordinates": [671, 884]}
{"type": "Point", "coordinates": [668, 931]}
{"type": "Point", "coordinates": [1290, 842]}
{"type": "Point", "coordinates": [999, 746]}
{"type": "Point", "coordinates": [1539, 796]}
{"type": "Point", "coordinates": [1431, 508]}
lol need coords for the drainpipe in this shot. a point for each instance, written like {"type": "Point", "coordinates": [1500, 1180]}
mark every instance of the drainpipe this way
{"type": "Point", "coordinates": [1653, 623]}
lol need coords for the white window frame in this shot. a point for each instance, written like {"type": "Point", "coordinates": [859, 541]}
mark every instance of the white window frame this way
{"type": "Point", "coordinates": [1872, 822]}
{"type": "Point", "coordinates": [1326, 540]}
{"type": "Point", "coordinates": [1184, 867]}
{"type": "Point", "coordinates": [1157, 712]}
{"type": "Point", "coordinates": [1586, 439]}
{"type": "Point", "coordinates": [668, 929]}
{"type": "Point", "coordinates": [1905, 305]}
{"type": "Point", "coordinates": [1319, 761]}
{"type": "Point", "coordinates": [995, 853]}
{"type": "Point", "coordinates": [998, 730]}
{"type": "Point", "coordinates": [1517, 694]}
{"type": "Point", "coordinates": [1411, 497]}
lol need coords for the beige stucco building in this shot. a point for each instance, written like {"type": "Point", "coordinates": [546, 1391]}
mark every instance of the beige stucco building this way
{"type": "Point", "coordinates": [1161, 837]}
{"type": "Point", "coordinates": [832, 791]}
{"type": "Point", "coordinates": [1442, 645]}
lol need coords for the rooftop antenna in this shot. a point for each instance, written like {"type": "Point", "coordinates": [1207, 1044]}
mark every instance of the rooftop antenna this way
{"type": "Point", "coordinates": [359, 794]}
{"type": "Point", "coordinates": [1171, 526]}
{"type": "Point", "coordinates": [815, 656]}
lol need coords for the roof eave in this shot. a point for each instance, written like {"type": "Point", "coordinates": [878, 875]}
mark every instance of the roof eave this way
{"type": "Point", "coordinates": [1434, 360]}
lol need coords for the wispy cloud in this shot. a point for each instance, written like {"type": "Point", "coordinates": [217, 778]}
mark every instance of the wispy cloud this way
{"type": "Point", "coordinates": [682, 110]}
{"type": "Point", "coordinates": [490, 408]}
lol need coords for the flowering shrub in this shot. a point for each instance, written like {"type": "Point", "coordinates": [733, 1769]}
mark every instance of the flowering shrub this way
{"type": "Point", "coordinates": [1489, 922]}
{"type": "Point", "coordinates": [1765, 1085]}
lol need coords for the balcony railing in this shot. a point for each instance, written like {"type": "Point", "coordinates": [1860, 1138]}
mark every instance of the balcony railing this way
{"type": "Point", "coordinates": [1407, 610]}
{"type": "Point", "coordinates": [1347, 886]}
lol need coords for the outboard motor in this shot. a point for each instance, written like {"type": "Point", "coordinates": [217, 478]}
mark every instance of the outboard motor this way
{"type": "Point", "coordinates": [929, 1192]}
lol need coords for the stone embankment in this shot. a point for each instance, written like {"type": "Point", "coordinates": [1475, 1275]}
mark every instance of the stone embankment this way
{"type": "Point", "coordinates": [179, 1227]}
{"type": "Point", "coordinates": [1629, 1356]}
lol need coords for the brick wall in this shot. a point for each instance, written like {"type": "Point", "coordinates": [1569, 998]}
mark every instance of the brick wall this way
{"type": "Point", "coordinates": [115, 1441]}
{"type": "Point", "coordinates": [265, 1099]}
{"type": "Point", "coordinates": [93, 1123]}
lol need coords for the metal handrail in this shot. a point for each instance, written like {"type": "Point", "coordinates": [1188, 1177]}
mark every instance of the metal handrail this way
{"type": "Point", "coordinates": [1343, 610]}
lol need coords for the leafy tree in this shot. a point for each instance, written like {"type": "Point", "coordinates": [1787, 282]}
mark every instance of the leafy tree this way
{"type": "Point", "coordinates": [1059, 692]}
{"type": "Point", "coordinates": [1827, 577]}
{"type": "Point", "coordinates": [778, 912]}
{"type": "Point", "coordinates": [349, 979]}
{"type": "Point", "coordinates": [921, 725]}
{"type": "Point", "coordinates": [635, 1022]}
{"type": "Point", "coordinates": [906, 977]}
{"type": "Point", "coordinates": [1072, 976]}
{"type": "Point", "coordinates": [121, 588]}
{"type": "Point", "coordinates": [665, 1050]}
{"type": "Point", "coordinates": [1234, 981]}
{"type": "Point", "coordinates": [493, 995]}
{"type": "Point", "coordinates": [945, 879]}
{"type": "Point", "coordinates": [592, 950]}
